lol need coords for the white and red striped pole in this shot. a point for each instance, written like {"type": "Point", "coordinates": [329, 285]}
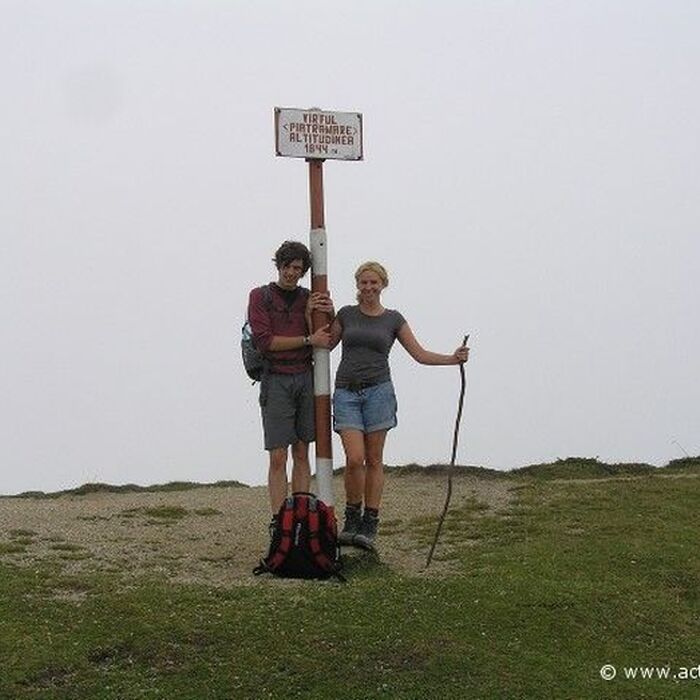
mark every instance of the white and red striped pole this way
{"type": "Point", "coordinates": [316, 135]}
{"type": "Point", "coordinates": [322, 359]}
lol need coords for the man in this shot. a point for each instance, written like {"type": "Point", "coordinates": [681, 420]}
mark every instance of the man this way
{"type": "Point", "coordinates": [279, 317]}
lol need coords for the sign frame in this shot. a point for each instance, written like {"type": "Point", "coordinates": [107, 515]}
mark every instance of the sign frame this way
{"type": "Point", "coordinates": [315, 134]}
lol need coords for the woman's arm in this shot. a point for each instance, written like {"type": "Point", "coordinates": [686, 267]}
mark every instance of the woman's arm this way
{"type": "Point", "coordinates": [336, 333]}
{"type": "Point", "coordinates": [427, 357]}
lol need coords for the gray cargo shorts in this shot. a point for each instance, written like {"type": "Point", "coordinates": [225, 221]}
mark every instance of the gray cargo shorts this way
{"type": "Point", "coordinates": [287, 409]}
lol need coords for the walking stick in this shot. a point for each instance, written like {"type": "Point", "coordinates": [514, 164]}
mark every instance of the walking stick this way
{"type": "Point", "coordinates": [452, 459]}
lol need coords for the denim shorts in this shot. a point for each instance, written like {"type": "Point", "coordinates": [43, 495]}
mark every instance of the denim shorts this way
{"type": "Point", "coordinates": [367, 410]}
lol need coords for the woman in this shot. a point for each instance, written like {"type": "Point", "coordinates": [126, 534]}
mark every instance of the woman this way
{"type": "Point", "coordinates": [364, 403]}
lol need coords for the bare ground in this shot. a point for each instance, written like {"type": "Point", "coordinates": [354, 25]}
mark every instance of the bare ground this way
{"type": "Point", "coordinates": [213, 535]}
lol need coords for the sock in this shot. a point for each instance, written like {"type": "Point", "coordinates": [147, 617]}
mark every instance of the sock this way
{"type": "Point", "coordinates": [353, 506]}
{"type": "Point", "coordinates": [372, 512]}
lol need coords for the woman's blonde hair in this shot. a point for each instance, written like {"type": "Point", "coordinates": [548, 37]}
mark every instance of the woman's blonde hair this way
{"type": "Point", "coordinates": [377, 268]}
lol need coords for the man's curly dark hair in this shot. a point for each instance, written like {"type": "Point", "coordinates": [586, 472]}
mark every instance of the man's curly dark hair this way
{"type": "Point", "coordinates": [292, 250]}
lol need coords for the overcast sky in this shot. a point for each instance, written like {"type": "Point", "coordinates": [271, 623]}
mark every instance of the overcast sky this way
{"type": "Point", "coordinates": [530, 177]}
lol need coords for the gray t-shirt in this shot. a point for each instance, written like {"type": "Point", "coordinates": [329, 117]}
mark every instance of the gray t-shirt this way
{"type": "Point", "coordinates": [367, 341]}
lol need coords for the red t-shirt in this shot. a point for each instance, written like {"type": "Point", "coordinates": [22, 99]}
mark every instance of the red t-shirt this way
{"type": "Point", "coordinates": [285, 316]}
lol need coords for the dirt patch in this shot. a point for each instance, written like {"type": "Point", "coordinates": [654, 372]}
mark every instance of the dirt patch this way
{"type": "Point", "coordinates": [212, 535]}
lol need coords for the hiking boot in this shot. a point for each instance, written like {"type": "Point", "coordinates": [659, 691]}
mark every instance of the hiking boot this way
{"type": "Point", "coordinates": [353, 520]}
{"type": "Point", "coordinates": [367, 533]}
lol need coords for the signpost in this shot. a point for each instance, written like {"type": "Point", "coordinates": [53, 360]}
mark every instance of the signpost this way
{"type": "Point", "coordinates": [317, 136]}
{"type": "Point", "coordinates": [312, 133]}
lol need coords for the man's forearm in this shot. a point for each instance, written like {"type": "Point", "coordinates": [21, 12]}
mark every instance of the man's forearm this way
{"type": "Point", "coordinates": [281, 342]}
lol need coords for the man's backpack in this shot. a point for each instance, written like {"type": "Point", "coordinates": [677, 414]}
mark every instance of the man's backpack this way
{"type": "Point", "coordinates": [253, 360]}
{"type": "Point", "coordinates": [304, 543]}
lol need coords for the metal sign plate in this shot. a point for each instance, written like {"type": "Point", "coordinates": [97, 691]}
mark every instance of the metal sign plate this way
{"type": "Point", "coordinates": [312, 133]}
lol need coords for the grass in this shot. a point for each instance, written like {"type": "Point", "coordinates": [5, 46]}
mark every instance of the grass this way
{"type": "Point", "coordinates": [592, 468]}
{"type": "Point", "coordinates": [577, 573]}
{"type": "Point", "coordinates": [166, 513]}
{"type": "Point", "coordinates": [96, 487]}
{"type": "Point", "coordinates": [66, 547]}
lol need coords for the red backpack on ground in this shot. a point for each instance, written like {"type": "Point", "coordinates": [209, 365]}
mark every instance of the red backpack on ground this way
{"type": "Point", "coordinates": [305, 541]}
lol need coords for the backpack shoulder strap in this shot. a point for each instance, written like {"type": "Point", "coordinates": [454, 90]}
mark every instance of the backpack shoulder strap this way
{"type": "Point", "coordinates": [286, 523]}
{"type": "Point", "coordinates": [320, 557]}
{"type": "Point", "coordinates": [266, 295]}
